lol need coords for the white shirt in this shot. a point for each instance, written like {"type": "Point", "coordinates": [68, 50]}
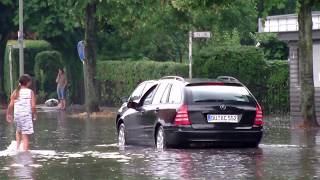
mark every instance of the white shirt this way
{"type": "Point", "coordinates": [22, 105]}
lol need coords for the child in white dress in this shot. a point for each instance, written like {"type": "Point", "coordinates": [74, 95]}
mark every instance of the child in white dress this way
{"type": "Point", "coordinates": [23, 105]}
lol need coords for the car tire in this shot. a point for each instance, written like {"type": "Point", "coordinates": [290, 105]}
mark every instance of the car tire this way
{"type": "Point", "coordinates": [160, 138]}
{"type": "Point", "coordinates": [121, 136]}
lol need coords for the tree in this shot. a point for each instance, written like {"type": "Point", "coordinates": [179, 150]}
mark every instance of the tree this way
{"type": "Point", "coordinates": [306, 63]}
{"type": "Point", "coordinates": [7, 9]}
{"type": "Point", "coordinates": [307, 99]}
{"type": "Point", "coordinates": [91, 99]}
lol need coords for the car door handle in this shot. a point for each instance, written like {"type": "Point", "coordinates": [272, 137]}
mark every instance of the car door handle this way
{"type": "Point", "coordinates": [157, 110]}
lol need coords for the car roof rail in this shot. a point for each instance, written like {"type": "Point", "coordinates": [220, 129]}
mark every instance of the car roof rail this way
{"type": "Point", "coordinates": [228, 78]}
{"type": "Point", "coordinates": [173, 77]}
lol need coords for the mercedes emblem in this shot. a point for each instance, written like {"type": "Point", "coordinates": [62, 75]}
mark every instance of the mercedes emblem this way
{"type": "Point", "coordinates": [223, 107]}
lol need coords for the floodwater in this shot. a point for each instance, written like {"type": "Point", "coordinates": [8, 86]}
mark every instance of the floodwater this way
{"type": "Point", "coordinates": [69, 148]}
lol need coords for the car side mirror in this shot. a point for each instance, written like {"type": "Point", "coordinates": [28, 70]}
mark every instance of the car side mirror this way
{"type": "Point", "coordinates": [132, 105]}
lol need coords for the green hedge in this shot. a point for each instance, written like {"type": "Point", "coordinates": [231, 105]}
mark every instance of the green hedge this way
{"type": "Point", "coordinates": [32, 47]}
{"type": "Point", "coordinates": [277, 92]}
{"type": "Point", "coordinates": [244, 62]}
{"type": "Point", "coordinates": [46, 67]}
{"type": "Point", "coordinates": [267, 80]}
{"type": "Point", "coordinates": [118, 78]}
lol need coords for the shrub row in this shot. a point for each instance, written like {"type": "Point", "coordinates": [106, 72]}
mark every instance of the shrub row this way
{"type": "Point", "coordinates": [118, 78]}
{"type": "Point", "coordinates": [70, 61]}
{"type": "Point", "coordinates": [268, 80]}
{"type": "Point", "coordinates": [45, 69]}
{"type": "Point", "coordinates": [32, 47]}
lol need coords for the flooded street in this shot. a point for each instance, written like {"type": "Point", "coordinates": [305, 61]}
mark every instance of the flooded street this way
{"type": "Point", "coordinates": [70, 148]}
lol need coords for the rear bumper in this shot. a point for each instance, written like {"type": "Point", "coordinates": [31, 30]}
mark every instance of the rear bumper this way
{"type": "Point", "coordinates": [186, 136]}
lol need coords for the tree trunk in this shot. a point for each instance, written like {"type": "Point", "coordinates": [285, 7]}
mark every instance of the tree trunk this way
{"type": "Point", "coordinates": [306, 63]}
{"type": "Point", "coordinates": [3, 43]}
{"type": "Point", "coordinates": [91, 99]}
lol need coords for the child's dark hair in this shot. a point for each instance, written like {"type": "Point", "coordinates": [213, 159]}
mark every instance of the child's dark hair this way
{"type": "Point", "coordinates": [23, 81]}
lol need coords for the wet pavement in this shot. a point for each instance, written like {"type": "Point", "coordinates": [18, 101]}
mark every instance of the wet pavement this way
{"type": "Point", "coordinates": [70, 148]}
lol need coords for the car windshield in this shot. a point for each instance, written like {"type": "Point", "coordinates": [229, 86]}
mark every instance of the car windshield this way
{"type": "Point", "coordinates": [219, 93]}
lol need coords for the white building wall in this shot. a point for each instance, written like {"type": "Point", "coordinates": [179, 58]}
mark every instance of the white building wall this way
{"type": "Point", "coordinates": [316, 64]}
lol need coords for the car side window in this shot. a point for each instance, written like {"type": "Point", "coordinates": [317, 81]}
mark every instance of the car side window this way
{"type": "Point", "coordinates": [175, 94]}
{"type": "Point", "coordinates": [137, 92]}
{"type": "Point", "coordinates": [148, 99]}
{"type": "Point", "coordinates": [165, 95]}
{"type": "Point", "coordinates": [159, 93]}
{"type": "Point", "coordinates": [147, 87]}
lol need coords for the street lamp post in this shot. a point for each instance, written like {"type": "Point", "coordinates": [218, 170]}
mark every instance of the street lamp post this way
{"type": "Point", "coordinates": [20, 38]}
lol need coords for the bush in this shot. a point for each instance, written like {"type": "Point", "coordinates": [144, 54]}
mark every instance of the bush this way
{"type": "Point", "coordinates": [32, 47]}
{"type": "Point", "coordinates": [245, 63]}
{"type": "Point", "coordinates": [45, 69]}
{"type": "Point", "coordinates": [267, 80]}
{"type": "Point", "coordinates": [277, 99]}
{"type": "Point", "coordinates": [118, 78]}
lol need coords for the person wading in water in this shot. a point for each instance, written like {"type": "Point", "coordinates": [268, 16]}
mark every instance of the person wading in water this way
{"type": "Point", "coordinates": [61, 88]}
{"type": "Point", "coordinates": [23, 105]}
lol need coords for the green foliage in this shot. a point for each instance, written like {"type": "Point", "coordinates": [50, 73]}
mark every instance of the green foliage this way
{"type": "Point", "coordinates": [237, 61]}
{"type": "Point", "coordinates": [272, 47]}
{"type": "Point", "coordinates": [267, 80]}
{"type": "Point", "coordinates": [158, 30]}
{"type": "Point", "coordinates": [46, 68]}
{"type": "Point", "coordinates": [50, 18]}
{"type": "Point", "coordinates": [118, 78]}
{"type": "Point", "coordinates": [277, 98]}
{"type": "Point", "coordinates": [32, 47]}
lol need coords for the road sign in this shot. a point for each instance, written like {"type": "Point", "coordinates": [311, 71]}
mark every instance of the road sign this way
{"type": "Point", "coordinates": [200, 34]}
{"type": "Point", "coordinates": [80, 48]}
{"type": "Point", "coordinates": [203, 34]}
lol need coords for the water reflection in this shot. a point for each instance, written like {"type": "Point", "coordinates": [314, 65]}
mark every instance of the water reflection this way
{"type": "Point", "coordinates": [71, 148]}
{"type": "Point", "coordinates": [21, 166]}
{"type": "Point", "coordinates": [309, 156]}
{"type": "Point", "coordinates": [197, 163]}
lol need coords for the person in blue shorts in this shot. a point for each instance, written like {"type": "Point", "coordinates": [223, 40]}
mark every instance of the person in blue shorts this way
{"type": "Point", "coordinates": [61, 88]}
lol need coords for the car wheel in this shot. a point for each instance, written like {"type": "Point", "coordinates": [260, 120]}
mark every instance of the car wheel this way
{"type": "Point", "coordinates": [160, 138]}
{"type": "Point", "coordinates": [121, 136]}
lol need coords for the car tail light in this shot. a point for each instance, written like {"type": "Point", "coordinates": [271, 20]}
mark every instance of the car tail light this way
{"type": "Point", "coordinates": [259, 117]}
{"type": "Point", "coordinates": [182, 117]}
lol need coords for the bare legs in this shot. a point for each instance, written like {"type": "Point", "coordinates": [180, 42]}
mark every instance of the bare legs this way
{"type": "Point", "coordinates": [25, 140]}
{"type": "Point", "coordinates": [62, 104]}
{"type": "Point", "coordinates": [18, 139]}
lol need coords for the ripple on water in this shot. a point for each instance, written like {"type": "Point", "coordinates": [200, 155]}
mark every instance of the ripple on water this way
{"type": "Point", "coordinates": [280, 146]}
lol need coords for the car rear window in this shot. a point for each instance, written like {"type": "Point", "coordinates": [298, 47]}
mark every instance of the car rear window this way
{"type": "Point", "coordinates": [219, 93]}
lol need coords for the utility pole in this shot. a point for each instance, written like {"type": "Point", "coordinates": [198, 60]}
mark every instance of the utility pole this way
{"type": "Point", "coordinates": [10, 68]}
{"type": "Point", "coordinates": [190, 54]}
{"type": "Point", "coordinates": [20, 38]}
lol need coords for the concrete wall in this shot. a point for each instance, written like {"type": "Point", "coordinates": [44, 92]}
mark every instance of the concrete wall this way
{"type": "Point", "coordinates": [295, 110]}
{"type": "Point", "coordinates": [316, 64]}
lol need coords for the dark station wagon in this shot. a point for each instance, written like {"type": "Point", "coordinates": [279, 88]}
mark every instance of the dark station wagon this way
{"type": "Point", "coordinates": [177, 112]}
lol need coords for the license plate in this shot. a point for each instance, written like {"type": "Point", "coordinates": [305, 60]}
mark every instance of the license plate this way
{"type": "Point", "coordinates": [222, 118]}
